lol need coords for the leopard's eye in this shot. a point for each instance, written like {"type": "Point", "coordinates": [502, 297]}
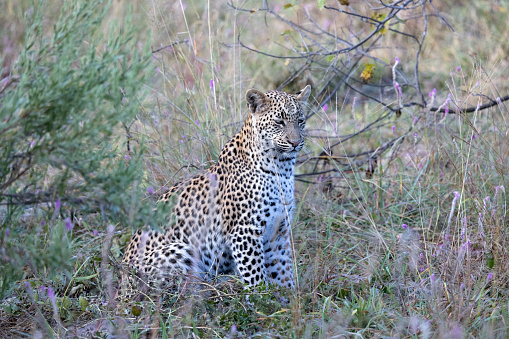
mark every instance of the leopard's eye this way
{"type": "Point", "coordinates": [279, 122]}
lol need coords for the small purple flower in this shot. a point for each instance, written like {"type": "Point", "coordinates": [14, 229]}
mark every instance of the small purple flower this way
{"type": "Point", "coordinates": [499, 101]}
{"type": "Point", "coordinates": [233, 330]}
{"type": "Point", "coordinates": [158, 70]}
{"type": "Point", "coordinates": [197, 122]}
{"type": "Point", "coordinates": [95, 233]}
{"type": "Point", "coordinates": [474, 136]}
{"type": "Point", "coordinates": [43, 289]}
{"type": "Point", "coordinates": [458, 69]}
{"type": "Point", "coordinates": [211, 85]}
{"type": "Point", "coordinates": [43, 223]}
{"type": "Point", "coordinates": [489, 277]}
{"type": "Point", "coordinates": [433, 93]}
{"type": "Point", "coordinates": [51, 294]}
{"type": "Point", "coordinates": [415, 137]}
{"type": "Point", "coordinates": [422, 269]}
{"type": "Point", "coordinates": [416, 120]}
{"type": "Point", "coordinates": [32, 144]}
{"type": "Point", "coordinates": [320, 178]}
{"type": "Point", "coordinates": [154, 57]}
{"type": "Point", "coordinates": [496, 189]}
{"type": "Point", "coordinates": [456, 194]}
{"type": "Point", "coordinates": [57, 204]}
{"type": "Point", "coordinates": [68, 224]}
{"type": "Point", "coordinates": [393, 129]}
{"type": "Point", "coordinates": [486, 200]}
{"type": "Point", "coordinates": [462, 287]}
{"type": "Point", "coordinates": [324, 107]}
{"type": "Point", "coordinates": [7, 233]}
{"type": "Point", "coordinates": [432, 278]}
{"type": "Point", "coordinates": [150, 190]}
{"type": "Point", "coordinates": [421, 255]}
{"type": "Point", "coordinates": [396, 61]}
{"type": "Point", "coordinates": [127, 157]}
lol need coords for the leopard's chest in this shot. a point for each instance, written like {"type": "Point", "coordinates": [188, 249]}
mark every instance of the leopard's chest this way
{"type": "Point", "coordinates": [278, 205]}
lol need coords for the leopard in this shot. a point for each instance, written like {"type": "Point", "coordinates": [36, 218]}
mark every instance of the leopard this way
{"type": "Point", "coordinates": [235, 217]}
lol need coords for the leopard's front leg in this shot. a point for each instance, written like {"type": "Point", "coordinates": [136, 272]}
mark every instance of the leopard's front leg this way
{"type": "Point", "coordinates": [247, 250]}
{"type": "Point", "coordinates": [278, 255]}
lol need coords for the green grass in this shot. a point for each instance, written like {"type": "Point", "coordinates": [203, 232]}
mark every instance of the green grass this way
{"type": "Point", "coordinates": [359, 272]}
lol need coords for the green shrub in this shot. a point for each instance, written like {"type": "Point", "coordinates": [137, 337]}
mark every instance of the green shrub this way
{"type": "Point", "coordinates": [61, 137]}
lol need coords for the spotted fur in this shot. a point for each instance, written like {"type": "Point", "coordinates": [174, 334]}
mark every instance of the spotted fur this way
{"type": "Point", "coordinates": [236, 216]}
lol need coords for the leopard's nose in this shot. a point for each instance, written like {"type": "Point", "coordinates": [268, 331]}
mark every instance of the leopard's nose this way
{"type": "Point", "coordinates": [294, 143]}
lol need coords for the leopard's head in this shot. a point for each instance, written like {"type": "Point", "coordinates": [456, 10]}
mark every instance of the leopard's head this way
{"type": "Point", "coordinates": [279, 119]}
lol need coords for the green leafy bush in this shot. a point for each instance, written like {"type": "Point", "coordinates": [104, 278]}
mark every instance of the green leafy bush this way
{"type": "Point", "coordinates": [61, 137]}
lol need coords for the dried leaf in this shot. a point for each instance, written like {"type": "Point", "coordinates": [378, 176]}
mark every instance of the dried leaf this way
{"type": "Point", "coordinates": [287, 6]}
{"type": "Point", "coordinates": [398, 113]}
{"type": "Point", "coordinates": [136, 311]}
{"type": "Point", "coordinates": [344, 2]}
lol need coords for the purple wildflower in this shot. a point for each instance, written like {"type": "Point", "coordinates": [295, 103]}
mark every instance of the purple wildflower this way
{"type": "Point", "coordinates": [43, 289]}
{"type": "Point", "coordinates": [489, 277]}
{"type": "Point", "coordinates": [474, 136]}
{"type": "Point", "coordinates": [416, 120]}
{"type": "Point", "coordinates": [233, 330]}
{"type": "Point", "coordinates": [324, 107]}
{"type": "Point", "coordinates": [211, 85]}
{"type": "Point", "coordinates": [405, 226]}
{"type": "Point", "coordinates": [432, 278]}
{"type": "Point", "coordinates": [95, 233]}
{"type": "Point", "coordinates": [57, 204]}
{"type": "Point", "coordinates": [150, 190]}
{"type": "Point", "coordinates": [415, 137]}
{"type": "Point", "coordinates": [51, 294]}
{"type": "Point", "coordinates": [421, 255]}
{"type": "Point", "coordinates": [393, 129]}
{"type": "Point", "coordinates": [396, 61]}
{"type": "Point", "coordinates": [197, 122]}
{"type": "Point", "coordinates": [43, 223]}
{"type": "Point", "coordinates": [32, 144]}
{"type": "Point", "coordinates": [68, 224]}
{"type": "Point", "coordinates": [158, 70]}
{"type": "Point", "coordinates": [7, 233]}
{"type": "Point", "coordinates": [127, 157]}
{"type": "Point", "coordinates": [458, 69]}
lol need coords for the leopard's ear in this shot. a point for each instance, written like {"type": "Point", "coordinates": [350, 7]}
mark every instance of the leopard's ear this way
{"type": "Point", "coordinates": [303, 94]}
{"type": "Point", "coordinates": [255, 100]}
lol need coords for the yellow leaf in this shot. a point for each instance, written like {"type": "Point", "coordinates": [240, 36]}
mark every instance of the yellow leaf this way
{"type": "Point", "coordinates": [287, 6]}
{"type": "Point", "coordinates": [381, 17]}
{"type": "Point", "coordinates": [368, 72]}
{"type": "Point", "coordinates": [83, 303]}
